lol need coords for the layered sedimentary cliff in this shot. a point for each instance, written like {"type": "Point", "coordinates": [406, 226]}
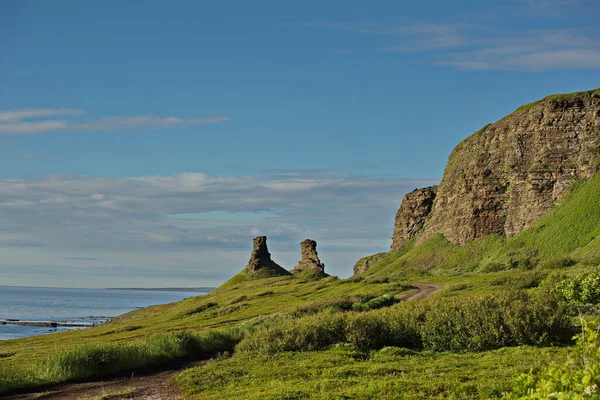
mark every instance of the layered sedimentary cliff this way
{"type": "Point", "coordinates": [411, 216]}
{"type": "Point", "coordinates": [507, 175]}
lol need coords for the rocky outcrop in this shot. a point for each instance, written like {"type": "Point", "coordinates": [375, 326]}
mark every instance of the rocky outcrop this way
{"type": "Point", "coordinates": [367, 262]}
{"type": "Point", "coordinates": [507, 175]}
{"type": "Point", "coordinates": [411, 216]}
{"type": "Point", "coordinates": [310, 258]}
{"type": "Point", "coordinates": [260, 264]}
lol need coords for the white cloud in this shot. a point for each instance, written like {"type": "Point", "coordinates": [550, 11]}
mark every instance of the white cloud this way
{"type": "Point", "coordinates": [31, 121]}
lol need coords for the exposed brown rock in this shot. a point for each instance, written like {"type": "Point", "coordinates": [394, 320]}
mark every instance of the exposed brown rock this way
{"type": "Point", "coordinates": [411, 216]}
{"type": "Point", "coordinates": [310, 258]}
{"type": "Point", "coordinates": [509, 174]}
{"type": "Point", "coordinates": [367, 262]}
{"type": "Point", "coordinates": [260, 264]}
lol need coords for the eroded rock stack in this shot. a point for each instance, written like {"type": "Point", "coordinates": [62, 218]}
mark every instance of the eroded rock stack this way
{"type": "Point", "coordinates": [260, 264]}
{"type": "Point", "coordinates": [411, 216]}
{"type": "Point", "coordinates": [310, 258]}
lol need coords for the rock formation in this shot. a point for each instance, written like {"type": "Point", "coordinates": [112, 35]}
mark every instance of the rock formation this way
{"type": "Point", "coordinates": [509, 174]}
{"type": "Point", "coordinates": [411, 216]}
{"type": "Point", "coordinates": [260, 264]}
{"type": "Point", "coordinates": [367, 262]}
{"type": "Point", "coordinates": [310, 258]}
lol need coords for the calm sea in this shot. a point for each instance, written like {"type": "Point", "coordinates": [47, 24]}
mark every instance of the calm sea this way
{"type": "Point", "coordinates": [72, 305]}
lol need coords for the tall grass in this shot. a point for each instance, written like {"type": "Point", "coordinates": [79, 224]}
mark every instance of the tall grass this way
{"type": "Point", "coordinates": [94, 360]}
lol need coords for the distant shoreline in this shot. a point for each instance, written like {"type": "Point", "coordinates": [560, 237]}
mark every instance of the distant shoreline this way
{"type": "Point", "coordinates": [169, 289]}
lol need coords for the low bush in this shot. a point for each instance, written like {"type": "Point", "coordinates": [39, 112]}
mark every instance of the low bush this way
{"type": "Point", "coordinates": [493, 267]}
{"type": "Point", "coordinates": [581, 290]}
{"type": "Point", "coordinates": [200, 309]}
{"type": "Point", "coordinates": [301, 334]}
{"type": "Point", "coordinates": [526, 280]}
{"type": "Point", "coordinates": [239, 299]}
{"type": "Point", "coordinates": [578, 378]}
{"type": "Point", "coordinates": [559, 262]}
{"type": "Point", "coordinates": [463, 324]}
{"type": "Point", "coordinates": [314, 307]}
{"type": "Point", "coordinates": [508, 319]}
{"type": "Point", "coordinates": [385, 300]}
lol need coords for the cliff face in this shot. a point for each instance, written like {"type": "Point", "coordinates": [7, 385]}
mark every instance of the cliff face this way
{"type": "Point", "coordinates": [411, 216]}
{"type": "Point", "coordinates": [510, 173]}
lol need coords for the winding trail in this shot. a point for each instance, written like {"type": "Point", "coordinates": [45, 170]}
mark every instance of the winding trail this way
{"type": "Point", "coordinates": [154, 384]}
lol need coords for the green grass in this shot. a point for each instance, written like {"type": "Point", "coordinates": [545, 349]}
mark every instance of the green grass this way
{"type": "Point", "coordinates": [99, 359]}
{"type": "Point", "coordinates": [153, 336]}
{"type": "Point", "coordinates": [344, 372]}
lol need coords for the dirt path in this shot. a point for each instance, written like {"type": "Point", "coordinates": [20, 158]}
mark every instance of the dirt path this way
{"type": "Point", "coordinates": [153, 385]}
{"type": "Point", "coordinates": [424, 290]}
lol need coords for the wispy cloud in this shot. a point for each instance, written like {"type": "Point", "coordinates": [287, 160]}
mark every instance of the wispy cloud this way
{"type": "Point", "coordinates": [413, 36]}
{"type": "Point", "coordinates": [489, 45]}
{"type": "Point", "coordinates": [532, 50]}
{"type": "Point", "coordinates": [33, 121]}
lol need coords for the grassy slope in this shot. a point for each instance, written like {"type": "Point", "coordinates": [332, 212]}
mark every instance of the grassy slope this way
{"type": "Point", "coordinates": [344, 373]}
{"type": "Point", "coordinates": [570, 230]}
{"type": "Point", "coordinates": [225, 307]}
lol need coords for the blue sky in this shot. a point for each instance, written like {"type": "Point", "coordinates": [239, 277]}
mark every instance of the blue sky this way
{"type": "Point", "coordinates": [146, 143]}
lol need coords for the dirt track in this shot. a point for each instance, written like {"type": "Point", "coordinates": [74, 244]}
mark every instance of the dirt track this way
{"type": "Point", "coordinates": [424, 290]}
{"type": "Point", "coordinates": [155, 385]}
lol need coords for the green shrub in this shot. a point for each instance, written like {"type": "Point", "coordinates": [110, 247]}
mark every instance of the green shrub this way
{"type": "Point", "coordinates": [462, 324]}
{"type": "Point", "coordinates": [558, 262]}
{"type": "Point", "coordinates": [385, 300]}
{"type": "Point", "coordinates": [200, 309]}
{"type": "Point", "coordinates": [578, 378]}
{"type": "Point", "coordinates": [239, 299]}
{"type": "Point", "coordinates": [526, 280]}
{"type": "Point", "coordinates": [332, 305]}
{"type": "Point", "coordinates": [493, 267]}
{"type": "Point", "coordinates": [527, 259]}
{"type": "Point", "coordinates": [491, 322]}
{"type": "Point", "coordinates": [301, 334]}
{"type": "Point", "coordinates": [580, 290]}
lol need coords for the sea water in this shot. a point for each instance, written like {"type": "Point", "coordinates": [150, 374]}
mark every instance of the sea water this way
{"type": "Point", "coordinates": [72, 305]}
